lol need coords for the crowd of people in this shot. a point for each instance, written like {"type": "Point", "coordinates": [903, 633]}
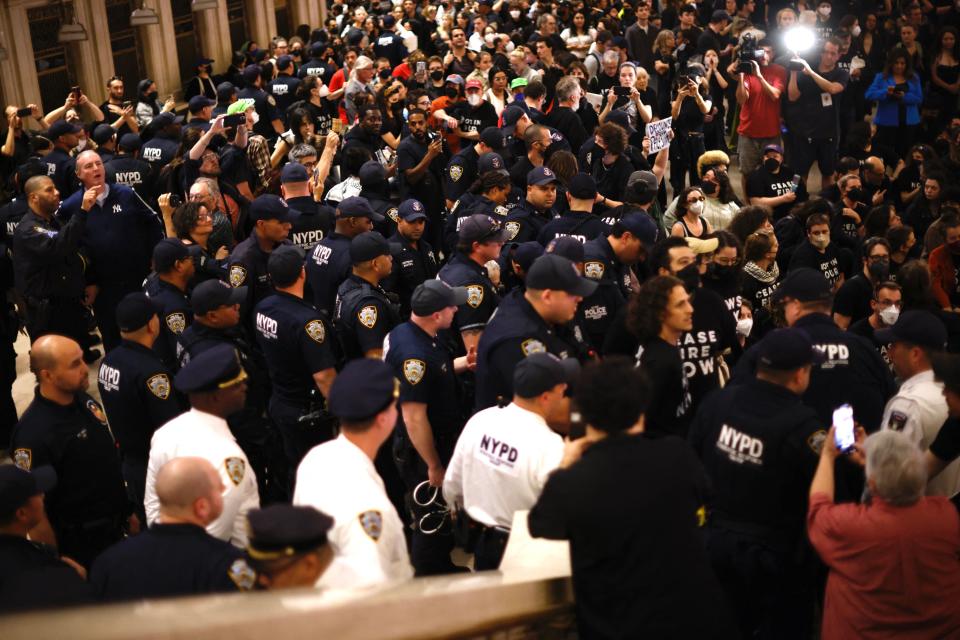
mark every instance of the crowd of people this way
{"type": "Point", "coordinates": [384, 283]}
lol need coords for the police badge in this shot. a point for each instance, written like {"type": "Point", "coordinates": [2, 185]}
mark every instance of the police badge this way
{"type": "Point", "coordinates": [392, 214]}
{"type": "Point", "coordinates": [372, 523]}
{"type": "Point", "coordinates": [242, 575]}
{"type": "Point", "coordinates": [159, 385]}
{"type": "Point", "coordinates": [897, 421]}
{"type": "Point", "coordinates": [176, 322]}
{"type": "Point", "coordinates": [23, 458]}
{"type": "Point", "coordinates": [456, 172]}
{"type": "Point", "coordinates": [413, 370]}
{"type": "Point", "coordinates": [368, 316]}
{"type": "Point", "coordinates": [593, 270]}
{"type": "Point", "coordinates": [816, 440]}
{"type": "Point", "coordinates": [531, 346]}
{"type": "Point", "coordinates": [315, 331]}
{"type": "Point", "coordinates": [235, 469]}
{"type": "Point", "coordinates": [474, 295]}
{"type": "Point", "coordinates": [513, 228]}
{"type": "Point", "coordinates": [238, 275]}
{"type": "Point", "coordinates": [97, 412]}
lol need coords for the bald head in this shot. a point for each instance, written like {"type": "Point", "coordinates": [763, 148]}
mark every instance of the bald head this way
{"type": "Point", "coordinates": [57, 361]}
{"type": "Point", "coordinates": [875, 164]}
{"type": "Point", "coordinates": [187, 489]}
{"type": "Point", "coordinates": [42, 195]}
{"type": "Point", "coordinates": [49, 350]}
{"type": "Point", "coordinates": [36, 184]}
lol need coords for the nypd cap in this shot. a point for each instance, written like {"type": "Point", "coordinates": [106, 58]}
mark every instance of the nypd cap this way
{"type": "Point", "coordinates": [787, 349]}
{"type": "Point", "coordinates": [370, 245]}
{"type": "Point", "coordinates": [212, 294]}
{"type": "Point", "coordinates": [134, 312]}
{"type": "Point", "coordinates": [364, 388]}
{"type": "Point", "coordinates": [216, 368]}
{"type": "Point", "coordinates": [558, 274]}
{"type": "Point", "coordinates": [167, 253]}
{"type": "Point", "coordinates": [284, 530]}
{"type": "Point", "coordinates": [435, 295]}
{"type": "Point", "coordinates": [411, 210]}
{"type": "Point", "coordinates": [269, 207]}
{"type": "Point", "coordinates": [540, 372]}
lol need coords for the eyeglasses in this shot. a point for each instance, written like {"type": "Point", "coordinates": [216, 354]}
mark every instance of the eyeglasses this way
{"type": "Point", "coordinates": [692, 200]}
{"type": "Point", "coordinates": [879, 259]}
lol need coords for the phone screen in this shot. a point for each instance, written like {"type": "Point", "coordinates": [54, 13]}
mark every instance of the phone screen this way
{"type": "Point", "coordinates": [843, 424]}
{"type": "Point", "coordinates": [621, 91]}
{"type": "Point", "coordinates": [796, 183]}
{"type": "Point", "coordinates": [421, 67]}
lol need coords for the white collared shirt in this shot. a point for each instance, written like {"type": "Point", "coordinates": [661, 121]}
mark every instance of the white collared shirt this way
{"type": "Point", "coordinates": [919, 410]}
{"type": "Point", "coordinates": [104, 194]}
{"type": "Point", "coordinates": [339, 479]}
{"type": "Point", "coordinates": [500, 464]}
{"type": "Point", "coordinates": [204, 435]}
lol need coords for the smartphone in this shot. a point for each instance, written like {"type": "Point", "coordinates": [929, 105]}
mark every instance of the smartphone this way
{"type": "Point", "coordinates": [337, 125]}
{"type": "Point", "coordinates": [421, 67]}
{"type": "Point", "coordinates": [76, 92]}
{"type": "Point", "coordinates": [795, 182]}
{"type": "Point", "coordinates": [621, 91]}
{"type": "Point", "coordinates": [234, 120]}
{"type": "Point", "coordinates": [127, 104]}
{"type": "Point", "coordinates": [902, 87]}
{"type": "Point", "coordinates": [24, 112]}
{"type": "Point", "coordinates": [843, 424]}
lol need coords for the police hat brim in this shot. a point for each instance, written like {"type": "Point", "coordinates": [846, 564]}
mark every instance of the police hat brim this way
{"type": "Point", "coordinates": [584, 287]}
{"type": "Point", "coordinates": [542, 182]}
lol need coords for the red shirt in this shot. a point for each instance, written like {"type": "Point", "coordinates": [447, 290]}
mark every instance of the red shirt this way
{"type": "Point", "coordinates": [760, 114]}
{"type": "Point", "coordinates": [337, 80]}
{"type": "Point", "coordinates": [894, 571]}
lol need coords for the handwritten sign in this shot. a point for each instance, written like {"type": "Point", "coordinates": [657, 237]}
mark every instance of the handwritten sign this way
{"type": "Point", "coordinates": [657, 132]}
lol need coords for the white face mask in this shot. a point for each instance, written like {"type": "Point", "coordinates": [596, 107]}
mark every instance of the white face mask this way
{"type": "Point", "coordinates": [256, 117]}
{"type": "Point", "coordinates": [855, 31]}
{"type": "Point", "coordinates": [515, 14]}
{"type": "Point", "coordinates": [696, 207]}
{"type": "Point", "coordinates": [474, 99]}
{"type": "Point", "coordinates": [744, 326]}
{"type": "Point", "coordinates": [821, 241]}
{"type": "Point", "coordinates": [890, 315]}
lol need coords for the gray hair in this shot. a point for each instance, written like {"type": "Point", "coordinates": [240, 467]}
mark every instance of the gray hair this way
{"type": "Point", "coordinates": [611, 56]}
{"type": "Point", "coordinates": [212, 187]}
{"type": "Point", "coordinates": [897, 468]}
{"type": "Point", "coordinates": [301, 151]}
{"type": "Point", "coordinates": [566, 87]}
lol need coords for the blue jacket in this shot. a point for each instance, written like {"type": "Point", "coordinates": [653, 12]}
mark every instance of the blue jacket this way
{"type": "Point", "coordinates": [888, 108]}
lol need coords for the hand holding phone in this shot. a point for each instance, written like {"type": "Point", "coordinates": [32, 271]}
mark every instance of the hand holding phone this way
{"type": "Point", "coordinates": [844, 432]}
{"type": "Point", "coordinates": [25, 111]}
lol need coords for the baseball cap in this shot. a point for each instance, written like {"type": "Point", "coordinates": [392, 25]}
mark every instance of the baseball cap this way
{"type": "Point", "coordinates": [454, 79]}
{"type": "Point", "coordinates": [474, 83]}
{"type": "Point", "coordinates": [525, 253]}
{"type": "Point", "coordinates": [134, 311]}
{"type": "Point", "coordinates": [436, 295]}
{"type": "Point", "coordinates": [371, 173]}
{"type": "Point", "coordinates": [285, 263]}
{"type": "Point", "coordinates": [17, 486]}
{"type": "Point", "coordinates": [490, 162]}
{"type": "Point", "coordinates": [269, 207]}
{"type": "Point", "coordinates": [284, 63]}
{"type": "Point", "coordinates": [493, 138]}
{"type": "Point", "coordinates": [130, 142]}
{"type": "Point", "coordinates": [357, 207]}
{"type": "Point", "coordinates": [167, 253]}
{"type": "Point", "coordinates": [293, 172]}
{"type": "Point", "coordinates": [212, 294]}
{"type": "Point", "coordinates": [803, 284]}
{"type": "Point", "coordinates": [480, 228]}
{"type": "Point", "coordinates": [241, 105]}
{"type": "Point", "coordinates": [689, 8]}
{"type": "Point", "coordinates": [285, 530]}
{"type": "Point", "coordinates": [540, 372]}
{"type": "Point", "coordinates": [719, 16]}
{"type": "Point", "coordinates": [389, 21]}
{"type": "Point", "coordinates": [642, 186]}
{"type": "Point", "coordinates": [641, 226]}
{"type": "Point", "coordinates": [364, 388]}
{"type": "Point", "coordinates": [198, 103]}
{"type": "Point", "coordinates": [787, 349]}
{"type": "Point", "coordinates": [916, 327]}
{"type": "Point", "coordinates": [541, 176]}
{"type": "Point", "coordinates": [251, 72]}
{"type": "Point", "coordinates": [557, 273]}
{"type": "Point", "coordinates": [773, 147]}
{"type": "Point", "coordinates": [102, 133]}
{"type": "Point", "coordinates": [224, 91]}
{"type": "Point", "coordinates": [370, 245]}
{"type": "Point", "coordinates": [702, 246]}
{"type": "Point", "coordinates": [62, 127]}
{"type": "Point", "coordinates": [510, 116]}
{"type": "Point", "coordinates": [582, 187]}
{"type": "Point", "coordinates": [165, 119]}
{"type": "Point", "coordinates": [201, 61]}
{"type": "Point", "coordinates": [516, 83]}
{"type": "Point", "coordinates": [215, 368]}
{"type": "Point", "coordinates": [568, 247]}
{"type": "Point", "coordinates": [619, 117]}
{"type": "Point", "coordinates": [411, 210]}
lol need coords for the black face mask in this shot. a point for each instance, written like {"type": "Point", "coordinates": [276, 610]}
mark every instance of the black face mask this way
{"type": "Point", "coordinates": [436, 75]}
{"type": "Point", "coordinates": [153, 95]}
{"type": "Point", "coordinates": [879, 271]}
{"type": "Point", "coordinates": [451, 92]}
{"type": "Point", "coordinates": [771, 165]}
{"type": "Point", "coordinates": [709, 188]}
{"type": "Point", "coordinates": [384, 74]}
{"type": "Point", "coordinates": [690, 275]}
{"type": "Point", "coordinates": [723, 271]}
{"type": "Point", "coordinates": [856, 195]}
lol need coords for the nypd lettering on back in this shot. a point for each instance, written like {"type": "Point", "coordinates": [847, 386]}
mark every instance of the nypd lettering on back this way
{"type": "Point", "coordinates": [306, 239]}
{"type": "Point", "coordinates": [109, 378]}
{"type": "Point", "coordinates": [498, 453]}
{"type": "Point", "coordinates": [838, 355]}
{"type": "Point", "coordinates": [576, 236]}
{"type": "Point", "coordinates": [321, 255]}
{"type": "Point", "coordinates": [740, 447]}
{"type": "Point", "coordinates": [267, 326]}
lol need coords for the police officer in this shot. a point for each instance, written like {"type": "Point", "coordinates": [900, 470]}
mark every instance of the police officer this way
{"type": "Point", "coordinates": [490, 198]}
{"type": "Point", "coordinates": [554, 288]}
{"type": "Point", "coordinates": [127, 168]}
{"type": "Point", "coordinates": [416, 261]}
{"type": "Point", "coordinates": [608, 260]}
{"type": "Point", "coordinates": [106, 138]}
{"type": "Point", "coordinates": [268, 124]}
{"type": "Point", "coordinates": [288, 545]}
{"type": "Point", "coordinates": [215, 384]}
{"type": "Point", "coordinates": [283, 88]}
{"type": "Point", "coordinates": [312, 221]}
{"type": "Point", "coordinates": [759, 444]}
{"type": "Point", "coordinates": [329, 264]}
{"type": "Point", "coordinates": [47, 262]}
{"type": "Point", "coordinates": [226, 96]}
{"type": "Point", "coordinates": [174, 268]}
{"type": "Point", "coordinates": [201, 110]}
{"type": "Point", "coordinates": [66, 428]}
{"type": "Point", "coordinates": [120, 234]}
{"type": "Point", "coordinates": [463, 170]}
{"type": "Point", "coordinates": [163, 146]}
{"type": "Point", "coordinates": [315, 66]}
{"type": "Point", "coordinates": [296, 342]}
{"type": "Point", "coordinates": [60, 163]}
{"type": "Point", "coordinates": [364, 313]}
{"type": "Point", "coordinates": [248, 262]}
{"type": "Point", "coordinates": [175, 556]}
{"type": "Point", "coordinates": [389, 45]}
{"type": "Point", "coordinates": [367, 536]}
{"type": "Point", "coordinates": [136, 389]}
{"type": "Point", "coordinates": [579, 222]}
{"type": "Point", "coordinates": [480, 240]}
{"type": "Point", "coordinates": [375, 188]}
{"type": "Point", "coordinates": [525, 221]}
{"type": "Point", "coordinates": [431, 412]}
{"type": "Point", "coordinates": [525, 445]}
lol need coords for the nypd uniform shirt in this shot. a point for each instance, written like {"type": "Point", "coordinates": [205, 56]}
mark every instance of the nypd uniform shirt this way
{"type": "Point", "coordinates": [501, 463]}
{"type": "Point", "coordinates": [415, 264]}
{"type": "Point", "coordinates": [600, 308]}
{"type": "Point", "coordinates": [468, 205]}
{"type": "Point", "coordinates": [61, 168]}
{"type": "Point", "coordinates": [205, 435]}
{"type": "Point", "coordinates": [46, 257]}
{"type": "Point", "coordinates": [327, 266]}
{"type": "Point", "coordinates": [283, 88]}
{"type": "Point", "coordinates": [367, 536]}
{"type": "Point", "coordinates": [312, 222]}
{"type": "Point", "coordinates": [482, 298]}
{"type": "Point", "coordinates": [159, 151]}
{"type": "Point", "coordinates": [524, 223]}
{"type": "Point", "coordinates": [581, 225]}
{"type": "Point", "coordinates": [132, 172]}
{"type": "Point", "coordinates": [248, 268]}
{"type": "Point", "coordinates": [173, 309]}
{"type": "Point", "coordinates": [461, 172]}
{"type": "Point", "coordinates": [138, 396]}
{"type": "Point", "coordinates": [363, 316]}
{"type": "Point", "coordinates": [295, 341]}
{"type": "Point", "coordinates": [919, 410]}
{"type": "Point", "coordinates": [76, 441]}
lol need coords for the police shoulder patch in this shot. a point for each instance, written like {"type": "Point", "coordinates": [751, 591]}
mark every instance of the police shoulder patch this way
{"type": "Point", "coordinates": [474, 295]}
{"type": "Point", "coordinates": [271, 100]}
{"type": "Point", "coordinates": [456, 172]}
{"type": "Point", "coordinates": [242, 575]}
{"type": "Point", "coordinates": [236, 467]}
{"type": "Point", "coordinates": [96, 410]}
{"type": "Point", "coordinates": [531, 346]}
{"type": "Point", "coordinates": [368, 316]}
{"type": "Point", "coordinates": [176, 322]}
{"type": "Point", "coordinates": [23, 458]}
{"type": "Point", "coordinates": [500, 210]}
{"type": "Point", "coordinates": [238, 275]}
{"type": "Point", "coordinates": [897, 421]}
{"type": "Point", "coordinates": [815, 441]}
{"type": "Point", "coordinates": [315, 331]}
{"type": "Point", "coordinates": [513, 228]}
{"type": "Point", "coordinates": [413, 370]}
{"type": "Point", "coordinates": [159, 385]}
{"type": "Point", "coordinates": [594, 269]}
{"type": "Point", "coordinates": [372, 523]}
{"type": "Point", "coordinates": [392, 214]}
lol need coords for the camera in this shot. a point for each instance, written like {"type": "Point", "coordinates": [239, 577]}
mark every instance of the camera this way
{"type": "Point", "coordinates": [175, 201]}
{"type": "Point", "coordinates": [748, 52]}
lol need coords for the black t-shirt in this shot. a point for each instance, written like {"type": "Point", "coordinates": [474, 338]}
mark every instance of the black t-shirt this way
{"type": "Point", "coordinates": [864, 329]}
{"type": "Point", "coordinates": [670, 402]}
{"type": "Point", "coordinates": [827, 263]}
{"type": "Point", "coordinates": [816, 112]}
{"type": "Point", "coordinates": [853, 298]}
{"type": "Point", "coordinates": [763, 184]}
{"type": "Point", "coordinates": [946, 445]}
{"type": "Point", "coordinates": [474, 118]}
